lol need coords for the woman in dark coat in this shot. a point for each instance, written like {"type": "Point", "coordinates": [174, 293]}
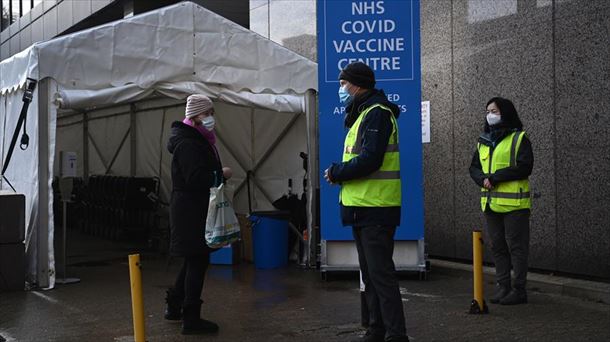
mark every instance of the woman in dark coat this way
{"type": "Point", "coordinates": [196, 167]}
{"type": "Point", "coordinates": [501, 166]}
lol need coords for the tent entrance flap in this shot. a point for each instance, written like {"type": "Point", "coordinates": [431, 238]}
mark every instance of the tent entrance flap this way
{"type": "Point", "coordinates": [313, 184]}
{"type": "Point", "coordinates": [28, 94]}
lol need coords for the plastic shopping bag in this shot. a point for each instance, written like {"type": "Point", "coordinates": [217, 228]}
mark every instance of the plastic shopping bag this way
{"type": "Point", "coordinates": [222, 226]}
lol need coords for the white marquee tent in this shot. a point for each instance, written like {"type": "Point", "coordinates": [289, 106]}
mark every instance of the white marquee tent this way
{"type": "Point", "coordinates": [129, 79]}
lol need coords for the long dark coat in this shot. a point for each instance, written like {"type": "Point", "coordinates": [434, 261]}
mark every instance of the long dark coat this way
{"type": "Point", "coordinates": [195, 166]}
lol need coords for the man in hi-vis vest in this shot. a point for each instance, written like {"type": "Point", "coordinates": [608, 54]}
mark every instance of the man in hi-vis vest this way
{"type": "Point", "coordinates": [369, 176]}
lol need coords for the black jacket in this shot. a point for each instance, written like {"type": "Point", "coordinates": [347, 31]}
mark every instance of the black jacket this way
{"type": "Point", "coordinates": [525, 160]}
{"type": "Point", "coordinates": [375, 129]}
{"type": "Point", "coordinates": [194, 171]}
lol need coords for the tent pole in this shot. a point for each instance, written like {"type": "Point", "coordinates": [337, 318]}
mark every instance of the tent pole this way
{"type": "Point", "coordinates": [252, 153]}
{"type": "Point", "coordinates": [132, 138]}
{"type": "Point", "coordinates": [42, 237]}
{"type": "Point", "coordinates": [86, 147]}
{"type": "Point", "coordinates": [75, 112]}
{"type": "Point", "coordinates": [313, 185]}
{"type": "Point", "coordinates": [160, 173]}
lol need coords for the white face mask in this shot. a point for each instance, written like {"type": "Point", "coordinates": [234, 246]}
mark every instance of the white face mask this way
{"type": "Point", "coordinates": [208, 122]}
{"type": "Point", "coordinates": [493, 119]}
{"type": "Point", "coordinates": [344, 95]}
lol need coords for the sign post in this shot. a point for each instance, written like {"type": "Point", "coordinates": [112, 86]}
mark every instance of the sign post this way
{"type": "Point", "coordinates": [385, 36]}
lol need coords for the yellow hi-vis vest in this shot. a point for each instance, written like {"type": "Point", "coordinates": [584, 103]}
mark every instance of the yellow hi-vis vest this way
{"type": "Point", "coordinates": [505, 196]}
{"type": "Point", "coordinates": [382, 187]}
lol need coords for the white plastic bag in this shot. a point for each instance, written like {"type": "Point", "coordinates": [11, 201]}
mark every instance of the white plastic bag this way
{"type": "Point", "coordinates": [222, 226]}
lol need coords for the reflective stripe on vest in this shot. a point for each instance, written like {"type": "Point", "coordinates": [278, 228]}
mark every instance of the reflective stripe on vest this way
{"type": "Point", "coordinates": [496, 194]}
{"type": "Point", "coordinates": [505, 196]}
{"type": "Point", "coordinates": [381, 188]}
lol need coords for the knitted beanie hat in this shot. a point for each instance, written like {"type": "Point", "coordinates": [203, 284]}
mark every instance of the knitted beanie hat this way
{"type": "Point", "coordinates": [358, 74]}
{"type": "Point", "coordinates": [197, 104]}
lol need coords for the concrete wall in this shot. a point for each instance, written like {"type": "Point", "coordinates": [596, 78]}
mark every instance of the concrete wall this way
{"type": "Point", "coordinates": [551, 58]}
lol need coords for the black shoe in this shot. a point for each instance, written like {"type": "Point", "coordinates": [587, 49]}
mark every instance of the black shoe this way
{"type": "Point", "coordinates": [173, 309]}
{"type": "Point", "coordinates": [192, 324]}
{"type": "Point", "coordinates": [500, 292]}
{"type": "Point", "coordinates": [199, 327]}
{"type": "Point", "coordinates": [370, 337]}
{"type": "Point", "coordinates": [397, 339]}
{"type": "Point", "coordinates": [514, 297]}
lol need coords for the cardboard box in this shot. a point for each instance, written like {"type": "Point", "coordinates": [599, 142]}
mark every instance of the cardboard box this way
{"type": "Point", "coordinates": [245, 225]}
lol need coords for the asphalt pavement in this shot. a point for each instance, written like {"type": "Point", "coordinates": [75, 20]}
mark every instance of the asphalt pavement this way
{"type": "Point", "coordinates": [288, 304]}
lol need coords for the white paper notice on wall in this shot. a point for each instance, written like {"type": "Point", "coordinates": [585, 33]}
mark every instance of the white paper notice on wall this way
{"type": "Point", "coordinates": [68, 164]}
{"type": "Point", "coordinates": [425, 122]}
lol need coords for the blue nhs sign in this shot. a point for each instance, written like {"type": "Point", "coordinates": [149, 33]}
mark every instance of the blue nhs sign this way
{"type": "Point", "coordinates": [378, 33]}
{"type": "Point", "coordinates": [385, 36]}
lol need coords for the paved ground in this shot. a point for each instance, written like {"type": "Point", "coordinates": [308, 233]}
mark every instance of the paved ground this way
{"type": "Point", "coordinates": [290, 304]}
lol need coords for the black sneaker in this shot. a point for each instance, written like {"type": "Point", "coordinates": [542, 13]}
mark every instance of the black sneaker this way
{"type": "Point", "coordinates": [199, 327]}
{"type": "Point", "coordinates": [370, 337]}
{"type": "Point", "coordinates": [192, 324]}
{"type": "Point", "coordinates": [500, 292]}
{"type": "Point", "coordinates": [514, 297]}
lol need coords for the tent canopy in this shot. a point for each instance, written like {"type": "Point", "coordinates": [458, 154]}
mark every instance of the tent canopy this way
{"type": "Point", "coordinates": [171, 52]}
{"type": "Point", "coordinates": [176, 50]}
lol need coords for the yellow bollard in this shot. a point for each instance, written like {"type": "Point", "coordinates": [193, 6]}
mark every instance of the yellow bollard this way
{"type": "Point", "coordinates": [478, 305]}
{"type": "Point", "coordinates": [137, 303]}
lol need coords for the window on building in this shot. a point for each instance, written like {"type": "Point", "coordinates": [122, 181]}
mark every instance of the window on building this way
{"type": "Point", "coordinates": [6, 17]}
{"type": "Point", "coordinates": [26, 6]}
{"type": "Point", "coordinates": [15, 10]}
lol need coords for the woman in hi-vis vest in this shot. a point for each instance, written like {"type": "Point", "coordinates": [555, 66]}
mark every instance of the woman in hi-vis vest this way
{"type": "Point", "coordinates": [501, 165]}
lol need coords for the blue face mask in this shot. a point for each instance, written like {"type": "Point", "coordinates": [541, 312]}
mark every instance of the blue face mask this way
{"type": "Point", "coordinates": [344, 96]}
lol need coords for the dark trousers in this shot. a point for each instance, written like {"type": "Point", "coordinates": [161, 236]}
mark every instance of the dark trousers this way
{"type": "Point", "coordinates": [189, 282]}
{"type": "Point", "coordinates": [375, 246]}
{"type": "Point", "coordinates": [510, 237]}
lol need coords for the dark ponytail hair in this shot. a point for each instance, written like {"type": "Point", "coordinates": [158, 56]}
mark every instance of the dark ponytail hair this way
{"type": "Point", "coordinates": [510, 118]}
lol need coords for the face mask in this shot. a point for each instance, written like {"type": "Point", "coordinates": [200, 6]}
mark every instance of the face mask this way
{"type": "Point", "coordinates": [208, 122]}
{"type": "Point", "coordinates": [493, 119]}
{"type": "Point", "coordinates": [344, 96]}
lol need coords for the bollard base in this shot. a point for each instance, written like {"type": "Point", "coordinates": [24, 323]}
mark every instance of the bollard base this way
{"type": "Point", "coordinates": [475, 308]}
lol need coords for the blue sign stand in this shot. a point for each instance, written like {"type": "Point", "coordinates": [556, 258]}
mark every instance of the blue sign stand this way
{"type": "Point", "coordinates": [386, 36]}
